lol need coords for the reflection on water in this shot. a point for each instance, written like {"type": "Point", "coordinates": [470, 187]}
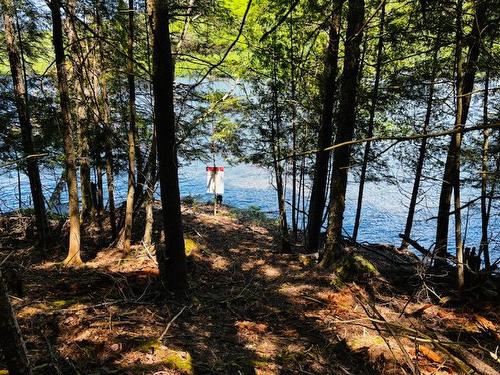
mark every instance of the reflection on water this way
{"type": "Point", "coordinates": [383, 216]}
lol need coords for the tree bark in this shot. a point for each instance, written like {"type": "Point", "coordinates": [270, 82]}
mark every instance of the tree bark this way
{"type": "Point", "coordinates": [171, 258]}
{"type": "Point", "coordinates": [295, 205]}
{"type": "Point", "coordinates": [150, 187]}
{"type": "Point", "coordinates": [62, 85]}
{"type": "Point", "coordinates": [485, 217]}
{"type": "Point", "coordinates": [318, 192]}
{"type": "Point", "coordinates": [276, 155]}
{"type": "Point", "coordinates": [127, 233]}
{"type": "Point", "coordinates": [371, 123]}
{"type": "Point", "coordinates": [421, 152]}
{"type": "Point", "coordinates": [345, 131]}
{"type": "Point", "coordinates": [82, 119]}
{"type": "Point", "coordinates": [107, 131]}
{"type": "Point", "coordinates": [11, 340]}
{"type": "Point", "coordinates": [22, 106]}
{"type": "Point", "coordinates": [465, 85]}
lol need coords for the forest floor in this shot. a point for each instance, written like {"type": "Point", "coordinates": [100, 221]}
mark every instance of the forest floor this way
{"type": "Point", "coordinates": [249, 309]}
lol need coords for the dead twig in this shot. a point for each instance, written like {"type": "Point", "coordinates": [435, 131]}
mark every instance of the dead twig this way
{"type": "Point", "coordinates": [170, 323]}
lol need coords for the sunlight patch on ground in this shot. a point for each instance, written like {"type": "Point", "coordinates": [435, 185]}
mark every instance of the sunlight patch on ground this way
{"type": "Point", "coordinates": [294, 290]}
{"type": "Point", "coordinates": [220, 263]}
{"type": "Point", "coordinates": [270, 272]}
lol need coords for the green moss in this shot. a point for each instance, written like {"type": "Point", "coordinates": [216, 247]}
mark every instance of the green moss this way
{"type": "Point", "coordinates": [180, 361]}
{"type": "Point", "coordinates": [353, 268]}
{"type": "Point", "coordinates": [149, 345]}
{"type": "Point", "coordinates": [175, 360]}
{"type": "Point", "coordinates": [61, 303]}
{"type": "Point", "coordinates": [258, 363]}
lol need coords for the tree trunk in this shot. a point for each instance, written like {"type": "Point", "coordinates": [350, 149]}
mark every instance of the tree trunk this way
{"type": "Point", "coordinates": [21, 96]}
{"type": "Point", "coordinates": [78, 79]}
{"type": "Point", "coordinates": [171, 258]}
{"type": "Point", "coordinates": [421, 152]}
{"type": "Point", "coordinates": [11, 342]}
{"type": "Point", "coordinates": [62, 85]}
{"type": "Point", "coordinates": [127, 233]}
{"type": "Point", "coordinates": [318, 192]}
{"type": "Point", "coordinates": [485, 217]}
{"type": "Point", "coordinates": [100, 195]}
{"type": "Point", "coordinates": [150, 187]}
{"type": "Point", "coordinates": [371, 123]}
{"type": "Point", "coordinates": [295, 206]}
{"type": "Point", "coordinates": [345, 131]}
{"type": "Point", "coordinates": [110, 182]}
{"type": "Point", "coordinates": [465, 85]}
{"type": "Point", "coordinates": [458, 227]}
{"type": "Point", "coordinates": [278, 171]}
{"type": "Point", "coordinates": [276, 155]}
{"type": "Point", "coordinates": [107, 131]}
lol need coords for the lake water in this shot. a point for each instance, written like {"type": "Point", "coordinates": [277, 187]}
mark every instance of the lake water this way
{"type": "Point", "coordinates": [383, 216]}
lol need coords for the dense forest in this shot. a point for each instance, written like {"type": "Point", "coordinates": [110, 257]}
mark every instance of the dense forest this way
{"type": "Point", "coordinates": [108, 266]}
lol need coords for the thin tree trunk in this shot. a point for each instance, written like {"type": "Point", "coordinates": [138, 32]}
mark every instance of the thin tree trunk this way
{"type": "Point", "coordinates": [345, 131]}
{"type": "Point", "coordinates": [78, 80]}
{"type": "Point", "coordinates": [22, 106]}
{"type": "Point", "coordinates": [55, 198]}
{"type": "Point", "coordinates": [110, 183]}
{"type": "Point", "coordinates": [276, 155]}
{"type": "Point", "coordinates": [11, 341]}
{"type": "Point", "coordinates": [318, 192]}
{"type": "Point", "coordinates": [465, 85]}
{"type": "Point", "coordinates": [485, 218]}
{"type": "Point", "coordinates": [371, 123]}
{"type": "Point", "coordinates": [151, 168]}
{"type": "Point", "coordinates": [100, 195]}
{"type": "Point", "coordinates": [457, 141]}
{"type": "Point", "coordinates": [458, 227]}
{"type": "Point", "coordinates": [171, 258]}
{"type": "Point", "coordinates": [295, 206]}
{"type": "Point", "coordinates": [127, 234]}
{"type": "Point", "coordinates": [62, 84]}
{"type": "Point", "coordinates": [150, 187]}
{"type": "Point", "coordinates": [108, 132]}
{"type": "Point", "coordinates": [421, 152]}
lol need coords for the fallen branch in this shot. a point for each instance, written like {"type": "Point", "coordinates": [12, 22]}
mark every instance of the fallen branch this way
{"type": "Point", "coordinates": [170, 323]}
{"type": "Point", "coordinates": [416, 245]}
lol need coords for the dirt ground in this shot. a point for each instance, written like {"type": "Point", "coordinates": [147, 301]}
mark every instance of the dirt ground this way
{"type": "Point", "coordinates": [249, 309]}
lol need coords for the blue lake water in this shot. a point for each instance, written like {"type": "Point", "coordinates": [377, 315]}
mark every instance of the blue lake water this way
{"type": "Point", "coordinates": [383, 216]}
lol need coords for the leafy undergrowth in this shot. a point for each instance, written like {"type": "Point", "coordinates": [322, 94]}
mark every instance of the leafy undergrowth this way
{"type": "Point", "coordinates": [249, 310]}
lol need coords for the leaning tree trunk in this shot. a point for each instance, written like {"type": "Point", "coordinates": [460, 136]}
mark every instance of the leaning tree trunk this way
{"type": "Point", "coordinates": [21, 96]}
{"type": "Point", "coordinates": [465, 85]}
{"type": "Point", "coordinates": [371, 123]}
{"type": "Point", "coordinates": [318, 192]}
{"type": "Point", "coordinates": [127, 233]}
{"type": "Point", "coordinates": [11, 341]}
{"type": "Point", "coordinates": [421, 152]}
{"type": "Point", "coordinates": [345, 131]}
{"type": "Point", "coordinates": [62, 85]}
{"type": "Point", "coordinates": [171, 258]}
